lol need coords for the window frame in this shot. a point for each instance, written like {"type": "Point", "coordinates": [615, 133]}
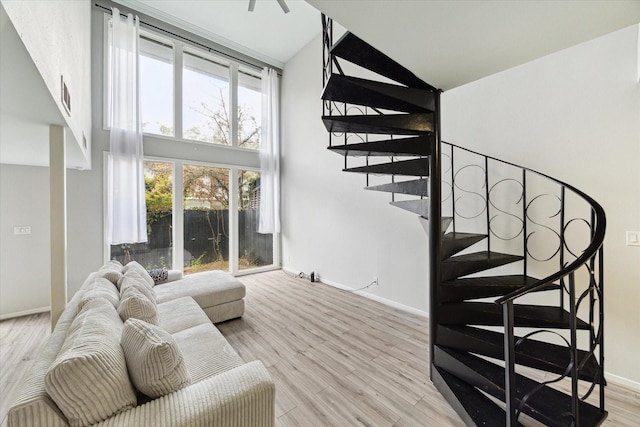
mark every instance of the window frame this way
{"type": "Point", "coordinates": [180, 151]}
{"type": "Point", "coordinates": [177, 238]}
{"type": "Point", "coordinates": [179, 47]}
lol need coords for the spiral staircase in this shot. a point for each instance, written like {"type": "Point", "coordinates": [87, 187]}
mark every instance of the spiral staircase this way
{"type": "Point", "coordinates": [516, 279]}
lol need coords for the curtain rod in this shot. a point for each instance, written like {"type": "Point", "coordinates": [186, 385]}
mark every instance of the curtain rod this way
{"type": "Point", "coordinates": [196, 43]}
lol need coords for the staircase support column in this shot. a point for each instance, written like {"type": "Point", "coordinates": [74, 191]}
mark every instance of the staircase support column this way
{"type": "Point", "coordinates": [509, 365]}
{"type": "Point", "coordinates": [435, 232]}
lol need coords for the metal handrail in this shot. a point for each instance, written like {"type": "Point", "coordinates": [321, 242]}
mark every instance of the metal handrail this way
{"type": "Point", "coordinates": [591, 250]}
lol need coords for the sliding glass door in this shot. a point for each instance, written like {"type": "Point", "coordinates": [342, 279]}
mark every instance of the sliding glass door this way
{"type": "Point", "coordinates": [157, 252]}
{"type": "Point", "coordinates": [201, 217]}
{"type": "Point", "coordinates": [206, 218]}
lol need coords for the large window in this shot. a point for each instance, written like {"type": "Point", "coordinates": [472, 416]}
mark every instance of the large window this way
{"type": "Point", "coordinates": [206, 106]}
{"type": "Point", "coordinates": [202, 209]}
{"type": "Point", "coordinates": [206, 218]}
{"type": "Point", "coordinates": [219, 218]}
{"type": "Point", "coordinates": [249, 109]}
{"type": "Point", "coordinates": [254, 249]}
{"type": "Point", "coordinates": [156, 86]}
{"type": "Point", "coordinates": [157, 252]}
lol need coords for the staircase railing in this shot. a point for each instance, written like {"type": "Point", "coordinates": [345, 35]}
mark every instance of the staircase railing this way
{"type": "Point", "coordinates": [515, 227]}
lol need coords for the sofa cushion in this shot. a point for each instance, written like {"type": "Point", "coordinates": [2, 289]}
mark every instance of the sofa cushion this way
{"type": "Point", "coordinates": [101, 288]}
{"type": "Point", "coordinates": [88, 380]}
{"type": "Point", "coordinates": [134, 304]}
{"type": "Point", "coordinates": [111, 270]}
{"type": "Point", "coordinates": [133, 279]}
{"type": "Point", "coordinates": [155, 362]}
{"type": "Point", "coordinates": [144, 274]}
{"type": "Point", "coordinates": [112, 275]}
{"type": "Point", "coordinates": [180, 314]}
{"type": "Point", "coordinates": [206, 351]}
{"type": "Point", "coordinates": [208, 288]}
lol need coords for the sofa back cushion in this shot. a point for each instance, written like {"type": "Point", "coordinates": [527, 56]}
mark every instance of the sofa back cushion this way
{"type": "Point", "coordinates": [88, 380]}
{"type": "Point", "coordinates": [135, 304]}
{"type": "Point", "coordinates": [111, 271]}
{"type": "Point", "coordinates": [101, 288]}
{"type": "Point", "coordinates": [144, 274]}
{"type": "Point", "coordinates": [155, 362]}
{"type": "Point", "coordinates": [133, 279]}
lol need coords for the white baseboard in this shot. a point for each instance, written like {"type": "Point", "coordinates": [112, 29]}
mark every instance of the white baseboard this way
{"type": "Point", "coordinates": [378, 298]}
{"type": "Point", "coordinates": [611, 378]}
{"type": "Point", "coordinates": [371, 296]}
{"type": "Point", "coordinates": [24, 313]}
{"type": "Point", "coordinates": [623, 382]}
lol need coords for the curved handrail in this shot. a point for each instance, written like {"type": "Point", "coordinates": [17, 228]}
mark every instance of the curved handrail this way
{"type": "Point", "coordinates": [596, 240]}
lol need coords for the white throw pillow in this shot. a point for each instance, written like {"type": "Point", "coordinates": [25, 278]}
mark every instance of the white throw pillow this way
{"type": "Point", "coordinates": [88, 380]}
{"type": "Point", "coordinates": [134, 304]}
{"type": "Point", "coordinates": [154, 360]}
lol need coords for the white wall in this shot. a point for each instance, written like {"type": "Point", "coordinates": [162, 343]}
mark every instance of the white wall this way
{"type": "Point", "coordinates": [57, 35]}
{"type": "Point", "coordinates": [330, 225]}
{"type": "Point", "coordinates": [85, 188]}
{"type": "Point", "coordinates": [24, 264]}
{"type": "Point", "coordinates": [574, 115]}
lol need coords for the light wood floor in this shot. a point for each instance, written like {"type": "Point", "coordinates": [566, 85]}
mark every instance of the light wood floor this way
{"type": "Point", "coordinates": [338, 359]}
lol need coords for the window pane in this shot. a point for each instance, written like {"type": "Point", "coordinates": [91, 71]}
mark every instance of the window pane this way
{"type": "Point", "coordinates": [254, 249]}
{"type": "Point", "coordinates": [249, 110]}
{"type": "Point", "coordinates": [206, 218]}
{"type": "Point", "coordinates": [205, 87]}
{"type": "Point", "coordinates": [157, 251]}
{"type": "Point", "coordinates": [156, 87]}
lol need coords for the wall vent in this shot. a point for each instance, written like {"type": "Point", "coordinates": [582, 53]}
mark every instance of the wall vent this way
{"type": "Point", "coordinates": [66, 96]}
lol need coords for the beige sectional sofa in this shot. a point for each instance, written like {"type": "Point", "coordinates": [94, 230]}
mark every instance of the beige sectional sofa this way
{"type": "Point", "coordinates": [108, 364]}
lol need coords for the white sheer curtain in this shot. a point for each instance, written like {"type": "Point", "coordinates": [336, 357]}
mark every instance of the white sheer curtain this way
{"type": "Point", "coordinates": [126, 209]}
{"type": "Point", "coordinates": [269, 216]}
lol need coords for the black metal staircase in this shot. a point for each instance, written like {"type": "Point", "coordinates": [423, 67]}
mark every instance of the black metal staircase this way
{"type": "Point", "coordinates": [511, 250]}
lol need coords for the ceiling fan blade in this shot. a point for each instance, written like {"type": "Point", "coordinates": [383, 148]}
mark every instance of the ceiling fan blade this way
{"type": "Point", "coordinates": [283, 5]}
{"type": "Point", "coordinates": [252, 5]}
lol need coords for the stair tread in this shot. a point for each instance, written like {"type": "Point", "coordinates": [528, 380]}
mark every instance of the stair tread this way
{"type": "Point", "coordinates": [547, 405]}
{"type": "Point", "coordinates": [418, 206]}
{"type": "Point", "coordinates": [530, 352]}
{"type": "Point", "coordinates": [415, 187]}
{"type": "Point", "coordinates": [490, 314]}
{"type": "Point", "coordinates": [415, 146]}
{"type": "Point", "coordinates": [470, 403]}
{"type": "Point", "coordinates": [355, 50]}
{"type": "Point", "coordinates": [453, 243]}
{"type": "Point", "coordinates": [414, 167]}
{"type": "Point", "coordinates": [445, 222]}
{"type": "Point", "coordinates": [354, 90]}
{"type": "Point", "coordinates": [486, 286]}
{"type": "Point", "coordinates": [386, 124]}
{"type": "Point", "coordinates": [462, 265]}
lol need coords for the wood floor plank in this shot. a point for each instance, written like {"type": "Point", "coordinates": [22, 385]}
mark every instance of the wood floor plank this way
{"type": "Point", "coordinates": [21, 340]}
{"type": "Point", "coordinates": [337, 358]}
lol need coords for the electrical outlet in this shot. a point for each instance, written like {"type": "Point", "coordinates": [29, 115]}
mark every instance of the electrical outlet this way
{"type": "Point", "coordinates": [25, 229]}
{"type": "Point", "coordinates": [375, 281]}
{"type": "Point", "coordinates": [633, 238]}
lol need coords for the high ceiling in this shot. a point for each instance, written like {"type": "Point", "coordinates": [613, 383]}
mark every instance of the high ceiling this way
{"type": "Point", "coordinates": [267, 33]}
{"type": "Point", "coordinates": [447, 43]}
{"type": "Point", "coordinates": [450, 43]}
